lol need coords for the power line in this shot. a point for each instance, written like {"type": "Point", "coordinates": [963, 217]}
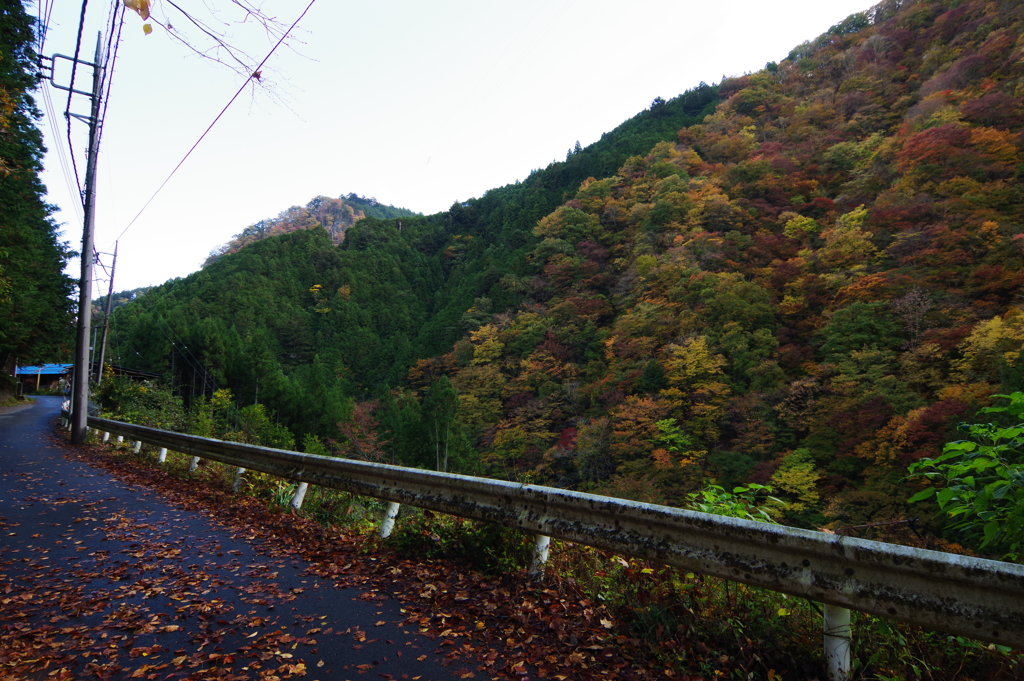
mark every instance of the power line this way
{"type": "Point", "coordinates": [222, 112]}
{"type": "Point", "coordinates": [99, 261]}
{"type": "Point", "coordinates": [116, 23]}
{"type": "Point", "coordinates": [70, 179]}
{"type": "Point", "coordinates": [71, 92]}
{"type": "Point", "coordinates": [45, 10]}
{"type": "Point", "coordinates": [74, 162]}
{"type": "Point", "coordinates": [110, 58]}
{"type": "Point", "coordinates": [178, 342]}
{"type": "Point", "coordinates": [58, 144]}
{"type": "Point", "coordinates": [194, 363]}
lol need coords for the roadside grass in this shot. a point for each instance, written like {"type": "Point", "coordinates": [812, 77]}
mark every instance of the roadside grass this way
{"type": "Point", "coordinates": [14, 400]}
{"type": "Point", "coordinates": [328, 507]}
{"type": "Point", "coordinates": [686, 619]}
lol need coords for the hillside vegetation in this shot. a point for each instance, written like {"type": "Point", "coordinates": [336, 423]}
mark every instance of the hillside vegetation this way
{"type": "Point", "coordinates": [36, 323]}
{"type": "Point", "coordinates": [804, 277]}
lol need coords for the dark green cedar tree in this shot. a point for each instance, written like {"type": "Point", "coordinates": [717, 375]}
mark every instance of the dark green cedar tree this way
{"type": "Point", "coordinates": [35, 294]}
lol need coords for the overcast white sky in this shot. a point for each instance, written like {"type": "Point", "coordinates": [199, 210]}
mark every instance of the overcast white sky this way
{"type": "Point", "coordinates": [417, 104]}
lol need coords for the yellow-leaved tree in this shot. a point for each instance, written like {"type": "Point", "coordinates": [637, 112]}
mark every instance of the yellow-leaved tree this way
{"type": "Point", "coordinates": [486, 345]}
{"type": "Point", "coordinates": [697, 390]}
{"type": "Point", "coordinates": [994, 345]}
{"type": "Point", "coordinates": [796, 483]}
{"type": "Point", "coordinates": [847, 245]}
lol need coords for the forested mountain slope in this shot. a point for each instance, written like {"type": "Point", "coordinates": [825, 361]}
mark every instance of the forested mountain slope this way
{"type": "Point", "coordinates": [810, 287]}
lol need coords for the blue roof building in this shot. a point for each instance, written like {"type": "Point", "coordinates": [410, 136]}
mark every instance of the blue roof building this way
{"type": "Point", "coordinates": [43, 376]}
{"type": "Point", "coordinates": [44, 370]}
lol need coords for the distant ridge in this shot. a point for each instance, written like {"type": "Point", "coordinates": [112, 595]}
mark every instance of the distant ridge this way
{"type": "Point", "coordinates": [334, 215]}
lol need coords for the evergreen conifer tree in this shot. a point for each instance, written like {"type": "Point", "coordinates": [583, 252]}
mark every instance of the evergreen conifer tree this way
{"type": "Point", "coordinates": [35, 303]}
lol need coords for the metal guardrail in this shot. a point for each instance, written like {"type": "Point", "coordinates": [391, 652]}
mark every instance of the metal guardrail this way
{"type": "Point", "coordinates": [966, 596]}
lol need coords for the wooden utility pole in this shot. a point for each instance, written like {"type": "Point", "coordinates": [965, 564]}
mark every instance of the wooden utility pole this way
{"type": "Point", "coordinates": [106, 320]}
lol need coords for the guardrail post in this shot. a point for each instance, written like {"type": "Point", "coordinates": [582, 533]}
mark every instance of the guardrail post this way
{"type": "Point", "coordinates": [837, 642]}
{"type": "Point", "coordinates": [540, 555]}
{"type": "Point", "coordinates": [162, 455]}
{"type": "Point", "coordinates": [120, 439]}
{"type": "Point", "coordinates": [106, 436]}
{"type": "Point", "coordinates": [138, 446]}
{"type": "Point", "coordinates": [193, 464]}
{"type": "Point", "coordinates": [236, 486]}
{"type": "Point", "coordinates": [389, 519]}
{"type": "Point", "coordinates": [300, 494]}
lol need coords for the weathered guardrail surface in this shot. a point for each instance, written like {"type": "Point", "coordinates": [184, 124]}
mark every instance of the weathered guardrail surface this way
{"type": "Point", "coordinates": [973, 597]}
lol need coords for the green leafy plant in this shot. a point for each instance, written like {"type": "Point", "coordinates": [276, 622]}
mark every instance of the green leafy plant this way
{"type": "Point", "coordinates": [742, 502]}
{"type": "Point", "coordinates": [277, 492]}
{"type": "Point", "coordinates": [978, 482]}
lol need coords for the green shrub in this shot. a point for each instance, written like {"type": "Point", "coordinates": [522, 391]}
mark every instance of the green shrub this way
{"type": "Point", "coordinates": [482, 546]}
{"type": "Point", "coordinates": [142, 403]}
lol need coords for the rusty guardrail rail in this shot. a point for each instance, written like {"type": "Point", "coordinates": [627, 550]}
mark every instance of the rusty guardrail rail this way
{"type": "Point", "coordinates": [973, 597]}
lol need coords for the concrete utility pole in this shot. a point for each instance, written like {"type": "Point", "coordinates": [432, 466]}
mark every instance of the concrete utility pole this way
{"type": "Point", "coordinates": [80, 407]}
{"type": "Point", "coordinates": [80, 389]}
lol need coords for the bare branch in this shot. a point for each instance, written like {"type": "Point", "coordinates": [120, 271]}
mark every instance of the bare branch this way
{"type": "Point", "coordinates": [209, 40]}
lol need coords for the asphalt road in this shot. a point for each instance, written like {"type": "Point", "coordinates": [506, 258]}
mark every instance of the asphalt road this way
{"type": "Point", "coordinates": [103, 579]}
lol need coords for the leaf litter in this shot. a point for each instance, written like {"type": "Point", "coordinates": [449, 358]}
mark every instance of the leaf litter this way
{"type": "Point", "coordinates": [160, 604]}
